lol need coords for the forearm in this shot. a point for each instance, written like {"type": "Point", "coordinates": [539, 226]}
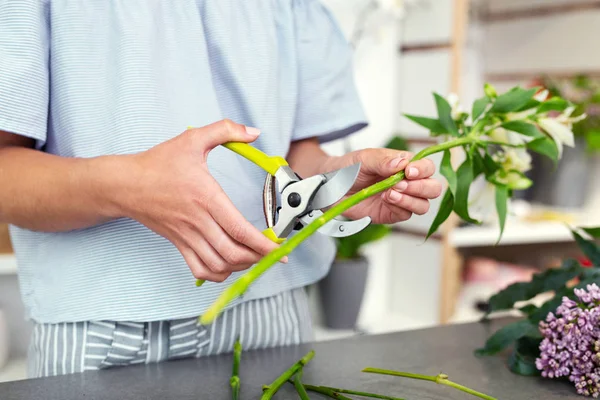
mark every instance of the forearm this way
{"type": "Point", "coordinates": [44, 192]}
{"type": "Point", "coordinates": [307, 158]}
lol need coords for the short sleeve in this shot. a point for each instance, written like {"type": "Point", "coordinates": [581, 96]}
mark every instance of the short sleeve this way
{"type": "Point", "coordinates": [328, 106]}
{"type": "Point", "coordinates": [24, 82]}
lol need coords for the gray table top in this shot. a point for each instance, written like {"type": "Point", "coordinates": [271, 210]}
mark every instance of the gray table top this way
{"type": "Point", "coordinates": [337, 363]}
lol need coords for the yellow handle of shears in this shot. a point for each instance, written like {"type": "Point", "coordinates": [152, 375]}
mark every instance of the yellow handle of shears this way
{"type": "Point", "coordinates": [269, 163]}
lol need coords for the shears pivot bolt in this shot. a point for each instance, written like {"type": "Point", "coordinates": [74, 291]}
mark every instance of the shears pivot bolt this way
{"type": "Point", "coordinates": [294, 199]}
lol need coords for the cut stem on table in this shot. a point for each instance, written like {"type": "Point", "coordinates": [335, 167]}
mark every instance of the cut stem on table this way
{"type": "Point", "coordinates": [234, 381]}
{"type": "Point", "coordinates": [441, 379]}
{"type": "Point", "coordinates": [271, 389]}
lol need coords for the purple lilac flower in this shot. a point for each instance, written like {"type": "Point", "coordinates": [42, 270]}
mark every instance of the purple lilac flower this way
{"type": "Point", "coordinates": [571, 344]}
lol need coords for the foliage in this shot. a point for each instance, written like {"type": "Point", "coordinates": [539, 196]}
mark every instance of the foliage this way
{"type": "Point", "coordinates": [584, 92]}
{"type": "Point", "coordinates": [562, 282]}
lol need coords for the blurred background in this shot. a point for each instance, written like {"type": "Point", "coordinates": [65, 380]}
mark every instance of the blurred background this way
{"type": "Point", "coordinates": [391, 279]}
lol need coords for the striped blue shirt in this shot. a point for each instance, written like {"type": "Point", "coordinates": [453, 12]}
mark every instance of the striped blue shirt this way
{"type": "Point", "coordinates": [98, 77]}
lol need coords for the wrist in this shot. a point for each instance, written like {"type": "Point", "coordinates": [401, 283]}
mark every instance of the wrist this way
{"type": "Point", "coordinates": [111, 181]}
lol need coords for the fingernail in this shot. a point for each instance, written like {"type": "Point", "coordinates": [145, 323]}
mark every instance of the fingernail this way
{"type": "Point", "coordinates": [285, 259]}
{"type": "Point", "coordinates": [401, 187]}
{"type": "Point", "coordinates": [395, 196]}
{"type": "Point", "coordinates": [254, 132]}
{"type": "Point", "coordinates": [412, 172]}
{"type": "Point", "coordinates": [395, 163]}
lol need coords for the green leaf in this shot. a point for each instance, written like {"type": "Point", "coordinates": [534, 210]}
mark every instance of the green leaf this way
{"type": "Point", "coordinates": [506, 336]}
{"type": "Point", "coordinates": [589, 248]}
{"type": "Point", "coordinates": [552, 304]}
{"type": "Point", "coordinates": [524, 128]}
{"type": "Point", "coordinates": [551, 279]}
{"type": "Point", "coordinates": [528, 309]}
{"type": "Point", "coordinates": [349, 246]}
{"type": "Point", "coordinates": [513, 100]}
{"type": "Point", "coordinates": [445, 115]}
{"type": "Point", "coordinates": [553, 104]}
{"type": "Point", "coordinates": [501, 201]}
{"type": "Point", "coordinates": [434, 125]}
{"type": "Point", "coordinates": [446, 206]}
{"type": "Point", "coordinates": [447, 171]}
{"type": "Point", "coordinates": [479, 107]}
{"type": "Point", "coordinates": [522, 358]}
{"type": "Point", "coordinates": [397, 143]}
{"type": "Point", "coordinates": [544, 146]}
{"type": "Point", "coordinates": [532, 103]}
{"type": "Point", "coordinates": [593, 232]}
{"type": "Point", "coordinates": [464, 178]}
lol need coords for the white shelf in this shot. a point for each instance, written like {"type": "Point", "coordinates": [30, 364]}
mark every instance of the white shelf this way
{"type": "Point", "coordinates": [515, 232]}
{"type": "Point", "coordinates": [8, 264]}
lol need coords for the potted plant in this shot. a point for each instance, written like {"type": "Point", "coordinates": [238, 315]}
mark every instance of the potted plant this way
{"type": "Point", "coordinates": [342, 290]}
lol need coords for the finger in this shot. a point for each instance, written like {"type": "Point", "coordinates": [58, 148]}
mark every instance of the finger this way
{"type": "Point", "coordinates": [383, 162]}
{"type": "Point", "coordinates": [224, 131]}
{"type": "Point", "coordinates": [420, 169]}
{"type": "Point", "coordinates": [236, 226]}
{"type": "Point", "coordinates": [229, 250]}
{"type": "Point", "coordinates": [415, 205]}
{"type": "Point", "coordinates": [199, 270]}
{"type": "Point", "coordinates": [391, 214]}
{"type": "Point", "coordinates": [214, 261]}
{"type": "Point", "coordinates": [424, 188]}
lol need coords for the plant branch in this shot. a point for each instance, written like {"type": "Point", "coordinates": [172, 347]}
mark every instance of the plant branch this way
{"type": "Point", "coordinates": [243, 282]}
{"type": "Point", "coordinates": [271, 389]}
{"type": "Point", "coordinates": [504, 144]}
{"type": "Point", "coordinates": [234, 381]}
{"type": "Point", "coordinates": [299, 386]}
{"type": "Point", "coordinates": [441, 379]}
{"type": "Point", "coordinates": [326, 392]}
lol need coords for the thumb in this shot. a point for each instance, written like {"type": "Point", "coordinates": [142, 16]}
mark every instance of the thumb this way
{"type": "Point", "coordinates": [213, 135]}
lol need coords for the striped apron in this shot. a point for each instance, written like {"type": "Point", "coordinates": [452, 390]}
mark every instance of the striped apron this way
{"type": "Point", "coordinates": [66, 348]}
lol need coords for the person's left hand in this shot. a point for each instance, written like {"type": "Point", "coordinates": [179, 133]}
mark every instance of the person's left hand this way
{"type": "Point", "coordinates": [409, 196]}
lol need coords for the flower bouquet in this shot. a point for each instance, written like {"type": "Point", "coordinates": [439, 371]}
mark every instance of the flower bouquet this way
{"type": "Point", "coordinates": [495, 137]}
{"type": "Point", "coordinates": [561, 338]}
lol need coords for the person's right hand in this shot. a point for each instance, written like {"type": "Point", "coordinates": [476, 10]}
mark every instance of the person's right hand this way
{"type": "Point", "coordinates": [176, 196]}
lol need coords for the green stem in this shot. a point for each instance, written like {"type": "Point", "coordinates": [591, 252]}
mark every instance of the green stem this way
{"type": "Point", "coordinates": [363, 394]}
{"type": "Point", "coordinates": [517, 146]}
{"type": "Point", "coordinates": [243, 282]}
{"type": "Point", "coordinates": [299, 386]}
{"type": "Point", "coordinates": [283, 378]}
{"type": "Point", "coordinates": [441, 379]}
{"type": "Point", "coordinates": [234, 381]}
{"type": "Point", "coordinates": [327, 392]}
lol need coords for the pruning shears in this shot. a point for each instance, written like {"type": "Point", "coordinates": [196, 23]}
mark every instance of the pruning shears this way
{"type": "Point", "coordinates": [301, 200]}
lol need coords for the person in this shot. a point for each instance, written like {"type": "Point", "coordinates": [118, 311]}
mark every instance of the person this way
{"type": "Point", "coordinates": [114, 206]}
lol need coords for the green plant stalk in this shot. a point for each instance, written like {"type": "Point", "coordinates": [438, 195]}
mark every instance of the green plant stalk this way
{"type": "Point", "coordinates": [234, 381]}
{"type": "Point", "coordinates": [344, 391]}
{"type": "Point", "coordinates": [299, 386]}
{"type": "Point", "coordinates": [326, 392]}
{"type": "Point", "coordinates": [441, 379]}
{"type": "Point", "coordinates": [243, 282]}
{"type": "Point", "coordinates": [271, 389]}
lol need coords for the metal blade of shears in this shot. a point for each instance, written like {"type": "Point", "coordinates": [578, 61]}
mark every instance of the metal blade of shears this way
{"type": "Point", "coordinates": [337, 184]}
{"type": "Point", "coordinates": [337, 227]}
